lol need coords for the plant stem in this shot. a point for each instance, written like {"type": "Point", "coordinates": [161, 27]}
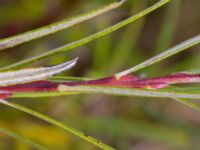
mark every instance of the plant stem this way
{"type": "Point", "coordinates": [164, 93]}
{"type": "Point", "coordinates": [58, 124]}
{"type": "Point", "coordinates": [159, 93]}
{"type": "Point", "coordinates": [87, 39]}
{"type": "Point", "coordinates": [174, 50]}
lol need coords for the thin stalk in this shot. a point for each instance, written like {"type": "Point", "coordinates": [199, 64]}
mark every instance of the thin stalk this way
{"type": "Point", "coordinates": [23, 139]}
{"type": "Point", "coordinates": [123, 49]}
{"type": "Point", "coordinates": [188, 103]}
{"type": "Point", "coordinates": [166, 33]}
{"type": "Point", "coordinates": [102, 48]}
{"type": "Point", "coordinates": [68, 78]}
{"type": "Point", "coordinates": [55, 27]}
{"type": "Point", "coordinates": [72, 90]}
{"type": "Point", "coordinates": [193, 71]}
{"type": "Point", "coordinates": [167, 30]}
{"type": "Point", "coordinates": [170, 52]}
{"type": "Point", "coordinates": [89, 38]}
{"type": "Point", "coordinates": [58, 124]}
{"type": "Point", "coordinates": [164, 93]}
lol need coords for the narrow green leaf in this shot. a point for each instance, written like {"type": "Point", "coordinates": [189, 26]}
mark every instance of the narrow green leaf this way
{"type": "Point", "coordinates": [167, 30]}
{"type": "Point", "coordinates": [125, 48]}
{"type": "Point", "coordinates": [89, 38]}
{"type": "Point", "coordinates": [59, 124]}
{"type": "Point", "coordinates": [23, 139]}
{"type": "Point", "coordinates": [55, 27]}
{"type": "Point", "coordinates": [170, 52]}
{"type": "Point", "coordinates": [189, 103]}
{"type": "Point", "coordinates": [166, 33]}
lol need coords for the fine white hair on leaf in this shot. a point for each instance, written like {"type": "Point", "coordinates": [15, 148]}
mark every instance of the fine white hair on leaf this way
{"type": "Point", "coordinates": [55, 27]}
{"type": "Point", "coordinates": [34, 74]}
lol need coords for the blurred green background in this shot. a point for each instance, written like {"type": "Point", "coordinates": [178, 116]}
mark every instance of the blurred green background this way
{"type": "Point", "coordinates": [121, 122]}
